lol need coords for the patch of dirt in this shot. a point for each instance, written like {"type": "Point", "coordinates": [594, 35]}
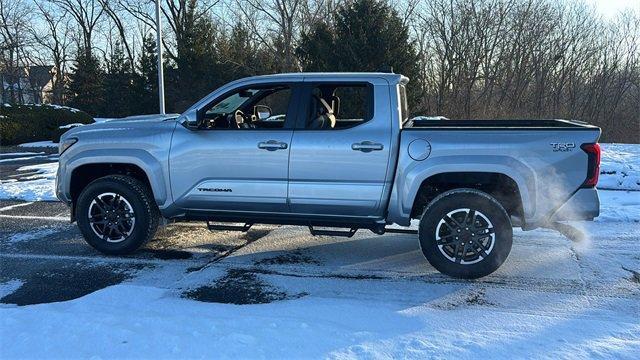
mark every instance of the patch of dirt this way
{"type": "Point", "coordinates": [291, 257]}
{"type": "Point", "coordinates": [240, 287]}
{"type": "Point", "coordinates": [474, 297]}
{"type": "Point", "coordinates": [253, 235]}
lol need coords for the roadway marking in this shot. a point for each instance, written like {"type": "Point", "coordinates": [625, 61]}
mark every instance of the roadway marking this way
{"type": "Point", "coordinates": [95, 259]}
{"type": "Point", "coordinates": [28, 217]}
{"type": "Point", "coordinates": [15, 206]}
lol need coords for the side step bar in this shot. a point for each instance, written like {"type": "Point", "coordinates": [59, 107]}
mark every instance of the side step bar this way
{"type": "Point", "coordinates": [400, 231]}
{"type": "Point", "coordinates": [315, 232]}
{"type": "Point", "coordinates": [349, 233]}
{"type": "Point", "coordinates": [346, 233]}
{"type": "Point", "coordinates": [221, 227]}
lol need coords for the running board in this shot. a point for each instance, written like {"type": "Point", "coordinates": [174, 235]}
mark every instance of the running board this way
{"type": "Point", "coordinates": [400, 231]}
{"type": "Point", "coordinates": [345, 233]}
{"type": "Point", "coordinates": [220, 227]}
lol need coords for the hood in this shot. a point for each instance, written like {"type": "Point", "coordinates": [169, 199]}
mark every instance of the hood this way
{"type": "Point", "coordinates": [127, 125]}
{"type": "Point", "coordinates": [149, 117]}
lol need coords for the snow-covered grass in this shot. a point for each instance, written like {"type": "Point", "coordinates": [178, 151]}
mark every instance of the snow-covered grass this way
{"type": "Point", "coordinates": [55, 106]}
{"type": "Point", "coordinates": [620, 167]}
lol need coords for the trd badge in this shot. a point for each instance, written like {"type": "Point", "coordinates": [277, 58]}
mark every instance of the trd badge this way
{"type": "Point", "coordinates": [563, 146]}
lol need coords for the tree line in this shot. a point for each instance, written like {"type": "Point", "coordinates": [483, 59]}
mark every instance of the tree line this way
{"type": "Point", "coordinates": [465, 58]}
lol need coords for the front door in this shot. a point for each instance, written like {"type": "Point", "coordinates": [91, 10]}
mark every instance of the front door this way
{"type": "Point", "coordinates": [238, 159]}
{"type": "Point", "coordinates": [340, 150]}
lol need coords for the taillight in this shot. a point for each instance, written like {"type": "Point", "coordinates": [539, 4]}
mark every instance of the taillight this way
{"type": "Point", "coordinates": [593, 168]}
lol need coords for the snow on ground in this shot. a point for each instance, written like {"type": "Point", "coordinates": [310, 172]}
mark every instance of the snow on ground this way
{"type": "Point", "coordinates": [36, 183]}
{"type": "Point", "coordinates": [620, 167]}
{"type": "Point", "coordinates": [32, 235]}
{"type": "Point", "coordinates": [619, 206]}
{"type": "Point", "coordinates": [9, 287]}
{"type": "Point", "coordinates": [14, 159]}
{"type": "Point", "coordinates": [364, 297]}
{"type": "Point", "coordinates": [127, 321]}
{"type": "Point", "coordinates": [36, 144]}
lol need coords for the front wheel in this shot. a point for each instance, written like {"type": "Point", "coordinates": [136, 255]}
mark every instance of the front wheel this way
{"type": "Point", "coordinates": [465, 233]}
{"type": "Point", "coordinates": [117, 214]}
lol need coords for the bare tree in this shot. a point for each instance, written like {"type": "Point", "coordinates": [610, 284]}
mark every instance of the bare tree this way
{"type": "Point", "coordinates": [15, 20]}
{"type": "Point", "coordinates": [283, 15]}
{"type": "Point", "coordinates": [55, 43]}
{"type": "Point", "coordinates": [87, 15]}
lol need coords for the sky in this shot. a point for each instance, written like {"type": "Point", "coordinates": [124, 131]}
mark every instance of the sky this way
{"type": "Point", "coordinates": [609, 8]}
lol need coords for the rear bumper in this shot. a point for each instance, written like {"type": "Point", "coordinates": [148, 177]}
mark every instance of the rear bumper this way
{"type": "Point", "coordinates": [583, 205]}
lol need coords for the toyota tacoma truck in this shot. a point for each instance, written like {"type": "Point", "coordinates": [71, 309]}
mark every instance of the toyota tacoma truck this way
{"type": "Point", "coordinates": [336, 152]}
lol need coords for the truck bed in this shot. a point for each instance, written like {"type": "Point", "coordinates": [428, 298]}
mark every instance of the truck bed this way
{"type": "Point", "coordinates": [492, 124]}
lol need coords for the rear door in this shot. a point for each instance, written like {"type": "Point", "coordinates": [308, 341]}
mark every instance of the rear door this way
{"type": "Point", "coordinates": [341, 168]}
{"type": "Point", "coordinates": [237, 163]}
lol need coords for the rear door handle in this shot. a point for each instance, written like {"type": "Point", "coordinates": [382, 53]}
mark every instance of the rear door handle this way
{"type": "Point", "coordinates": [366, 146]}
{"type": "Point", "coordinates": [272, 145]}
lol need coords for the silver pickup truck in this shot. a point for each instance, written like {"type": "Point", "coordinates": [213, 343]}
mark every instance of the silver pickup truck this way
{"type": "Point", "coordinates": [336, 152]}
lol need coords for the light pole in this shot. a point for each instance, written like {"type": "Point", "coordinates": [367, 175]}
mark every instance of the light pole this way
{"type": "Point", "coordinates": [160, 67]}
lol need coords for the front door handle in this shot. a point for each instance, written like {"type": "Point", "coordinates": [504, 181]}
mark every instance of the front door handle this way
{"type": "Point", "coordinates": [366, 146]}
{"type": "Point", "coordinates": [272, 145]}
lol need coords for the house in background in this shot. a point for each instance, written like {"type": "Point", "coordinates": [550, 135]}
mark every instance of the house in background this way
{"type": "Point", "coordinates": [28, 85]}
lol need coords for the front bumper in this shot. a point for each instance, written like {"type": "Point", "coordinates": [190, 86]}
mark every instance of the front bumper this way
{"type": "Point", "coordinates": [61, 194]}
{"type": "Point", "coordinates": [583, 205]}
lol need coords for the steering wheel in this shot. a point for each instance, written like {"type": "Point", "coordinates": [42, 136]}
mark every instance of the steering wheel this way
{"type": "Point", "coordinates": [241, 120]}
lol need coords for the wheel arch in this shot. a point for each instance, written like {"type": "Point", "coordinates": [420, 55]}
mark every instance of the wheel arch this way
{"type": "Point", "coordinates": [411, 178]}
{"type": "Point", "coordinates": [138, 164]}
{"type": "Point", "coordinates": [498, 185]}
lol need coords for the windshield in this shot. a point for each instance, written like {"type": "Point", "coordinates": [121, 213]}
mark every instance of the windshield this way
{"type": "Point", "coordinates": [232, 102]}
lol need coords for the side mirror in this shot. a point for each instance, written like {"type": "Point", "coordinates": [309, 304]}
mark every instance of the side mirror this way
{"type": "Point", "coordinates": [262, 112]}
{"type": "Point", "coordinates": [191, 120]}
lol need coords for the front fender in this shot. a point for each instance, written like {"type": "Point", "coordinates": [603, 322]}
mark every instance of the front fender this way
{"type": "Point", "coordinates": [152, 167]}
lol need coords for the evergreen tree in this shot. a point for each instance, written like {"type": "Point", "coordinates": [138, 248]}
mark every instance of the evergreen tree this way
{"type": "Point", "coordinates": [146, 84]}
{"type": "Point", "coordinates": [239, 56]}
{"type": "Point", "coordinates": [85, 88]}
{"type": "Point", "coordinates": [196, 62]}
{"type": "Point", "coordinates": [120, 97]}
{"type": "Point", "coordinates": [316, 50]}
{"type": "Point", "coordinates": [368, 35]}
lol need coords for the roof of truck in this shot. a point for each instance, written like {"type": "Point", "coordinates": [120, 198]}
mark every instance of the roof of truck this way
{"type": "Point", "coordinates": [391, 77]}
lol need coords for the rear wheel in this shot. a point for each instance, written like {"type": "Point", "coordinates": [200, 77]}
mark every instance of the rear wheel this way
{"type": "Point", "coordinates": [117, 214]}
{"type": "Point", "coordinates": [465, 233]}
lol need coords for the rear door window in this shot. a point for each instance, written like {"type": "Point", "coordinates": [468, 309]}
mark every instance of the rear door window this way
{"type": "Point", "coordinates": [334, 106]}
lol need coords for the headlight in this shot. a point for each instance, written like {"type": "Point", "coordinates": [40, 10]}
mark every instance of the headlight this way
{"type": "Point", "coordinates": [65, 144]}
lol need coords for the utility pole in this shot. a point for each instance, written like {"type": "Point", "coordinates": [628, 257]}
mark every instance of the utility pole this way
{"type": "Point", "coordinates": [160, 67]}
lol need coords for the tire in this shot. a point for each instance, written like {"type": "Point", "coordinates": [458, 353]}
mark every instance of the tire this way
{"type": "Point", "coordinates": [446, 225]}
{"type": "Point", "coordinates": [117, 214]}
